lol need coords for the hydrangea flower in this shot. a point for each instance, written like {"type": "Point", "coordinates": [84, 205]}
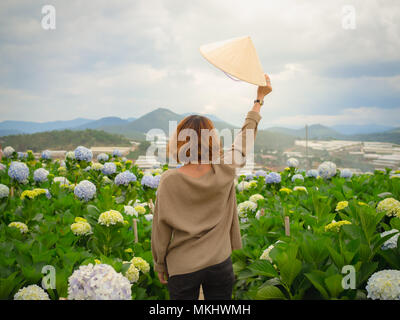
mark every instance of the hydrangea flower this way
{"type": "Point", "coordinates": [391, 243]}
{"type": "Point", "coordinates": [32, 292]}
{"type": "Point", "coordinates": [18, 171]}
{"type": "Point", "coordinates": [97, 166]}
{"type": "Point", "coordinates": [85, 190]}
{"type": "Point", "coordinates": [117, 153]}
{"type": "Point", "coordinates": [8, 151]}
{"type": "Point", "coordinates": [391, 206]}
{"type": "Point", "coordinates": [260, 173]}
{"type": "Point", "coordinates": [148, 217]}
{"type": "Point", "coordinates": [98, 282]}
{"type": "Point", "coordinates": [32, 194]}
{"type": "Point", "coordinates": [273, 177]}
{"type": "Point", "coordinates": [341, 205]}
{"type": "Point", "coordinates": [4, 191]}
{"type": "Point", "coordinates": [22, 155]}
{"type": "Point", "coordinates": [335, 226]}
{"type": "Point", "coordinates": [384, 285]}
{"type": "Point", "coordinates": [141, 264]}
{"type": "Point", "coordinates": [300, 188]}
{"type": "Point", "coordinates": [107, 180]}
{"type": "Point", "coordinates": [110, 217]}
{"type": "Point", "coordinates": [243, 185]}
{"type": "Point", "coordinates": [312, 173]}
{"type": "Point", "coordinates": [40, 175]}
{"type": "Point", "coordinates": [19, 225]}
{"type": "Point", "coordinates": [124, 178]}
{"type": "Point", "coordinates": [297, 176]}
{"type": "Point", "coordinates": [83, 154]}
{"type": "Point", "coordinates": [346, 173]}
{"type": "Point", "coordinates": [285, 190]}
{"type": "Point", "coordinates": [255, 197]}
{"type": "Point", "coordinates": [327, 169]}
{"type": "Point", "coordinates": [151, 181]}
{"type": "Point", "coordinates": [102, 157]}
{"type": "Point", "coordinates": [61, 180]}
{"type": "Point", "coordinates": [70, 155]}
{"type": "Point", "coordinates": [2, 167]}
{"type": "Point", "coordinates": [265, 254]}
{"type": "Point", "coordinates": [246, 206]}
{"type": "Point", "coordinates": [132, 274]}
{"type": "Point", "coordinates": [249, 176]}
{"type": "Point", "coordinates": [292, 163]}
{"type": "Point", "coordinates": [46, 155]}
{"type": "Point", "coordinates": [81, 227]}
{"type": "Point", "coordinates": [130, 211]}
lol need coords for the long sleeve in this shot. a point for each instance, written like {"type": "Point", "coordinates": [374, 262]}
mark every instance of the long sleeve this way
{"type": "Point", "coordinates": [236, 156]}
{"type": "Point", "coordinates": [161, 232]}
{"type": "Point", "coordinates": [236, 239]}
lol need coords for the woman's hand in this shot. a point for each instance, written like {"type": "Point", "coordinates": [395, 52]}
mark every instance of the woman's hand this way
{"type": "Point", "coordinates": [262, 91]}
{"type": "Point", "coordinates": [162, 276]}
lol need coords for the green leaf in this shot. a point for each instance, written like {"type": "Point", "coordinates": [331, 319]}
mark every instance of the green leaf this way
{"type": "Point", "coordinates": [316, 278]}
{"type": "Point", "coordinates": [334, 284]}
{"type": "Point", "coordinates": [269, 293]}
{"type": "Point", "coordinates": [289, 271]}
{"type": "Point", "coordinates": [263, 268]}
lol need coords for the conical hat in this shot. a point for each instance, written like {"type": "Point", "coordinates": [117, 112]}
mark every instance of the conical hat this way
{"type": "Point", "coordinates": [237, 57]}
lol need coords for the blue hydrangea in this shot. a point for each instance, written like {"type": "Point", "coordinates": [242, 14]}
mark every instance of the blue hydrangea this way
{"type": "Point", "coordinates": [117, 153]}
{"type": "Point", "coordinates": [4, 191]}
{"type": "Point", "coordinates": [292, 163]}
{"type": "Point", "coordinates": [327, 169]}
{"type": "Point", "coordinates": [261, 173]}
{"type": "Point", "coordinates": [346, 173]}
{"type": "Point", "coordinates": [312, 173]}
{"type": "Point", "coordinates": [109, 168]}
{"type": "Point", "coordinates": [273, 177]}
{"type": "Point", "coordinates": [249, 176]}
{"type": "Point", "coordinates": [102, 157]}
{"type": "Point", "coordinates": [40, 175]}
{"type": "Point", "coordinates": [46, 155]}
{"type": "Point", "coordinates": [18, 171]}
{"type": "Point", "coordinates": [297, 176]}
{"type": "Point", "coordinates": [22, 155]}
{"type": "Point", "coordinates": [48, 194]}
{"type": "Point", "coordinates": [83, 154]}
{"type": "Point", "coordinates": [151, 181]}
{"type": "Point", "coordinates": [85, 190]}
{"type": "Point", "coordinates": [124, 178]}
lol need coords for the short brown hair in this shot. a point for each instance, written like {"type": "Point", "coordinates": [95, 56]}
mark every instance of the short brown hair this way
{"type": "Point", "coordinates": [195, 124]}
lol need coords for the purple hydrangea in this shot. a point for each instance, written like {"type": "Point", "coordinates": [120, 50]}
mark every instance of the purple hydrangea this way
{"type": "Point", "coordinates": [297, 176]}
{"type": "Point", "coordinates": [124, 178]}
{"type": "Point", "coordinates": [273, 177]}
{"type": "Point", "coordinates": [109, 168]}
{"type": "Point", "coordinates": [249, 176]}
{"type": "Point", "coordinates": [151, 181]}
{"type": "Point", "coordinates": [261, 173]}
{"type": "Point", "coordinates": [40, 175]}
{"type": "Point", "coordinates": [18, 171]}
{"type": "Point", "coordinates": [85, 190]}
{"type": "Point", "coordinates": [83, 154]}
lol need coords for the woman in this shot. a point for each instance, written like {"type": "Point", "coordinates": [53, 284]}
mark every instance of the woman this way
{"type": "Point", "coordinates": [195, 222]}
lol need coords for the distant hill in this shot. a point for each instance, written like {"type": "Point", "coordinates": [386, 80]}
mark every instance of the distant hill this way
{"type": "Point", "coordinates": [103, 122]}
{"type": "Point", "coordinates": [361, 129]}
{"type": "Point", "coordinates": [392, 136]}
{"type": "Point", "coordinates": [209, 116]}
{"type": "Point", "coordinates": [315, 131]}
{"type": "Point", "coordinates": [32, 127]}
{"type": "Point", "coordinates": [6, 132]}
{"type": "Point", "coordinates": [63, 139]}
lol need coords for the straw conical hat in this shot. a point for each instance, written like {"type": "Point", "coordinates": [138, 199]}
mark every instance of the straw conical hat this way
{"type": "Point", "coordinates": [237, 57]}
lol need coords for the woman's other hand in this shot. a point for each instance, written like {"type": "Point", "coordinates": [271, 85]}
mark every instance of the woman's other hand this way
{"type": "Point", "coordinates": [262, 91]}
{"type": "Point", "coordinates": [162, 276]}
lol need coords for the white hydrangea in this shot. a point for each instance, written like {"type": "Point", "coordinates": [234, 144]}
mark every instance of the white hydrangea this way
{"type": "Point", "coordinates": [391, 243]}
{"type": "Point", "coordinates": [62, 180]}
{"type": "Point", "coordinates": [384, 285]}
{"type": "Point", "coordinates": [292, 163]}
{"type": "Point", "coordinates": [391, 206]}
{"type": "Point", "coordinates": [300, 188]}
{"type": "Point", "coordinates": [244, 185]}
{"type": "Point", "coordinates": [8, 151]}
{"type": "Point", "coordinates": [132, 274]}
{"type": "Point", "coordinates": [32, 292]}
{"type": "Point", "coordinates": [255, 197]}
{"type": "Point", "coordinates": [23, 228]}
{"type": "Point", "coordinates": [148, 217]}
{"type": "Point", "coordinates": [327, 169]}
{"type": "Point", "coordinates": [98, 282]}
{"type": "Point", "coordinates": [70, 155]}
{"type": "Point", "coordinates": [4, 191]}
{"type": "Point", "coordinates": [81, 227]}
{"type": "Point", "coordinates": [245, 206]}
{"type": "Point", "coordinates": [130, 211]}
{"type": "Point", "coordinates": [265, 254]}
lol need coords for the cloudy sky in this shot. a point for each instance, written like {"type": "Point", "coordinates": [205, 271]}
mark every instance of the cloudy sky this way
{"type": "Point", "coordinates": [125, 58]}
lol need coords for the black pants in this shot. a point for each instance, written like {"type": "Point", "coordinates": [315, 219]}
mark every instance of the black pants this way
{"type": "Point", "coordinates": [217, 282]}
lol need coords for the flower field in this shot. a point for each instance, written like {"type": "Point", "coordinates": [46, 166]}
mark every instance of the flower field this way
{"type": "Point", "coordinates": [320, 234]}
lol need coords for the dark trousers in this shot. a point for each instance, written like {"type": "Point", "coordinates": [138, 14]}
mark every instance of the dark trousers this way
{"type": "Point", "coordinates": [217, 282]}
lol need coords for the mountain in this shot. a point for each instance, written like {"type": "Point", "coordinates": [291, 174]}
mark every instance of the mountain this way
{"type": "Point", "coordinates": [64, 140]}
{"type": "Point", "coordinates": [32, 127]}
{"type": "Point", "coordinates": [6, 132]}
{"type": "Point", "coordinates": [209, 116]}
{"type": "Point", "coordinates": [361, 129]}
{"type": "Point", "coordinates": [392, 136]}
{"type": "Point", "coordinates": [103, 122]}
{"type": "Point", "coordinates": [315, 131]}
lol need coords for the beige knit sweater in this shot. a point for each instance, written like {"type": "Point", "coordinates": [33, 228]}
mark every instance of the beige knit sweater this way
{"type": "Point", "coordinates": [195, 222]}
